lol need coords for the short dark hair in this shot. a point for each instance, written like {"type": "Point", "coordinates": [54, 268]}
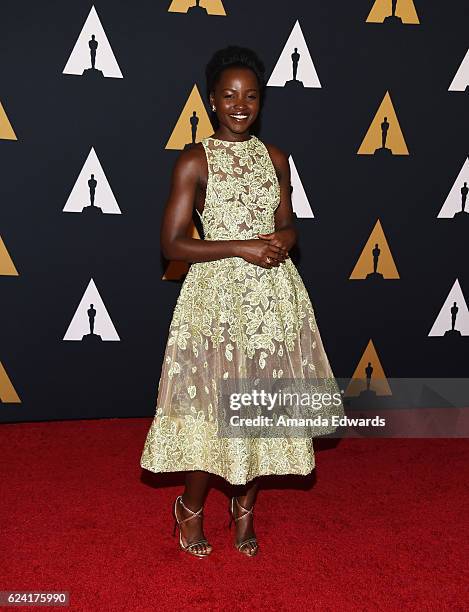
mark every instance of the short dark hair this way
{"type": "Point", "coordinates": [234, 56]}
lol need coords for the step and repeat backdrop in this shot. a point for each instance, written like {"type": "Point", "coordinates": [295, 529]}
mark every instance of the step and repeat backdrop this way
{"type": "Point", "coordinates": [370, 101]}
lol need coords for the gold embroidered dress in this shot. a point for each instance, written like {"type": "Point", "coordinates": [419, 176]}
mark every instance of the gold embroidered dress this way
{"type": "Point", "coordinates": [233, 319]}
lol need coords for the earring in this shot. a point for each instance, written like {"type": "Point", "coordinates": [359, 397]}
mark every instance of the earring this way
{"type": "Point", "coordinates": [213, 108]}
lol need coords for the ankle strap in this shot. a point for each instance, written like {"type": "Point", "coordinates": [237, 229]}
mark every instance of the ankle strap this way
{"type": "Point", "coordinates": [246, 511]}
{"type": "Point", "coordinates": [194, 514]}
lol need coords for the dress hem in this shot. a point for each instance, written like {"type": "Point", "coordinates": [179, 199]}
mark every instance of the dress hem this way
{"type": "Point", "coordinates": [224, 476]}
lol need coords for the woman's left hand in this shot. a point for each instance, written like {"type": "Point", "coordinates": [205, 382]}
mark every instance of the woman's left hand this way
{"type": "Point", "coordinates": [284, 238]}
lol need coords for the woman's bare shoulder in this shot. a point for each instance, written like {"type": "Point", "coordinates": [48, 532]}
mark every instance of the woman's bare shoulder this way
{"type": "Point", "coordinates": [279, 156]}
{"type": "Point", "coordinates": [191, 161]}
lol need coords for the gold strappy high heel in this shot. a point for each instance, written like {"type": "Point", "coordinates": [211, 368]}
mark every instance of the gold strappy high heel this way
{"type": "Point", "coordinates": [189, 547]}
{"type": "Point", "coordinates": [241, 545]}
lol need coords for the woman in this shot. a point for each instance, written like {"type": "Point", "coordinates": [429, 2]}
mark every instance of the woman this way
{"type": "Point", "coordinates": [242, 312]}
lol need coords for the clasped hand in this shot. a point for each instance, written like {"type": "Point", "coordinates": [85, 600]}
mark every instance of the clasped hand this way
{"type": "Point", "coordinates": [268, 250]}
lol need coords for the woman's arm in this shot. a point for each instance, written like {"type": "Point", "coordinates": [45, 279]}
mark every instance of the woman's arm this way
{"type": "Point", "coordinates": [178, 214]}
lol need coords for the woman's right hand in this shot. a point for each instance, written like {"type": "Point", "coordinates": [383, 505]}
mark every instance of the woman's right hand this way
{"type": "Point", "coordinates": [256, 251]}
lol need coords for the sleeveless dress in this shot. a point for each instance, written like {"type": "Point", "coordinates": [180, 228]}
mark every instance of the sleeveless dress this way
{"type": "Point", "coordinates": [232, 319]}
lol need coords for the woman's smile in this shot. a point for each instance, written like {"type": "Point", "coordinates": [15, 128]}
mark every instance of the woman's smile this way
{"type": "Point", "coordinates": [239, 118]}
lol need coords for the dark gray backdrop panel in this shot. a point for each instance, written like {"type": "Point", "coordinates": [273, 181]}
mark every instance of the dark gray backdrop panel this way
{"type": "Point", "coordinates": [57, 118]}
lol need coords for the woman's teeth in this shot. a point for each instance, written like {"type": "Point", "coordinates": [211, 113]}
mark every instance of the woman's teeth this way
{"type": "Point", "coordinates": [239, 117]}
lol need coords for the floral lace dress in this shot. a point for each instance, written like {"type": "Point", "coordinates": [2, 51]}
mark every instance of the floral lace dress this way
{"type": "Point", "coordinates": [233, 319]}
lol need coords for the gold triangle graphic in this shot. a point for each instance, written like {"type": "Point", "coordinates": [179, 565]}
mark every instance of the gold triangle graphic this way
{"type": "Point", "coordinates": [6, 131]}
{"type": "Point", "coordinates": [193, 120]}
{"type": "Point", "coordinates": [386, 268]}
{"type": "Point", "coordinates": [394, 139]}
{"type": "Point", "coordinates": [378, 381]}
{"type": "Point", "coordinates": [213, 7]}
{"type": "Point", "coordinates": [7, 267]}
{"type": "Point", "coordinates": [405, 9]}
{"type": "Point", "coordinates": [177, 269]}
{"type": "Point", "coordinates": [8, 394]}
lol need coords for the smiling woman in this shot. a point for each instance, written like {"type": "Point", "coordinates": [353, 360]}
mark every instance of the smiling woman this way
{"type": "Point", "coordinates": [243, 311]}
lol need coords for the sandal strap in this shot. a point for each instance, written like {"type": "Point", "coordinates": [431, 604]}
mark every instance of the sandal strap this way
{"type": "Point", "coordinates": [248, 541]}
{"type": "Point", "coordinates": [246, 511]}
{"type": "Point", "coordinates": [188, 518]}
{"type": "Point", "coordinates": [192, 544]}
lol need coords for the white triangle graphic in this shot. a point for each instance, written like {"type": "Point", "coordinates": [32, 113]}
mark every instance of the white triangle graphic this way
{"type": "Point", "coordinates": [80, 58]}
{"type": "Point", "coordinates": [283, 70]}
{"type": "Point", "coordinates": [80, 195]}
{"type": "Point", "coordinates": [453, 202]}
{"type": "Point", "coordinates": [442, 323]}
{"type": "Point", "coordinates": [80, 324]}
{"type": "Point", "coordinates": [461, 78]}
{"type": "Point", "coordinates": [299, 199]}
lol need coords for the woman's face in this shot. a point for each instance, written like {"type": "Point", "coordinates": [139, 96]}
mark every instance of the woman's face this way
{"type": "Point", "coordinates": [237, 100]}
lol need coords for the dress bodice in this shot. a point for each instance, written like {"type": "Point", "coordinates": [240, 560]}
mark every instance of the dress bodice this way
{"type": "Point", "coordinates": [243, 191]}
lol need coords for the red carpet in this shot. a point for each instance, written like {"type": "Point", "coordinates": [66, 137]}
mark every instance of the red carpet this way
{"type": "Point", "coordinates": [382, 526]}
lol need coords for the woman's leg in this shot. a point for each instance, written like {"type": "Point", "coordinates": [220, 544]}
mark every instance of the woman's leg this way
{"type": "Point", "coordinates": [193, 497]}
{"type": "Point", "coordinates": [246, 496]}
